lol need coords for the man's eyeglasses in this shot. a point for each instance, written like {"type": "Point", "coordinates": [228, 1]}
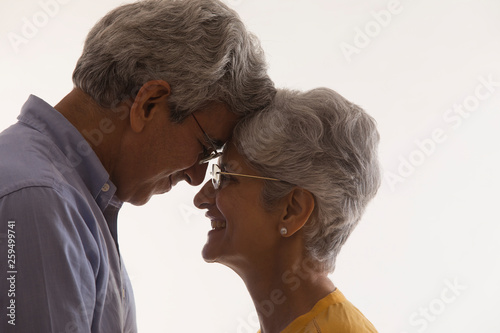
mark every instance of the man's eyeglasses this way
{"type": "Point", "coordinates": [217, 178]}
{"type": "Point", "coordinates": [208, 154]}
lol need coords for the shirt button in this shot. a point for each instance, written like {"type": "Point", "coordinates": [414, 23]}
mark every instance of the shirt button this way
{"type": "Point", "coordinates": [105, 187]}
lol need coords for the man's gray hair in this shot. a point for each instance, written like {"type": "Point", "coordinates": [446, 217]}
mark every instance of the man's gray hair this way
{"type": "Point", "coordinates": [200, 47]}
{"type": "Point", "coordinates": [323, 143]}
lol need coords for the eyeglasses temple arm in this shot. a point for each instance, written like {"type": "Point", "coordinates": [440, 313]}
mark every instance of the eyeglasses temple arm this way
{"type": "Point", "coordinates": [248, 176]}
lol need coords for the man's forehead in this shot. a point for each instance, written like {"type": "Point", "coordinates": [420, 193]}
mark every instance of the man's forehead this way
{"type": "Point", "coordinates": [218, 122]}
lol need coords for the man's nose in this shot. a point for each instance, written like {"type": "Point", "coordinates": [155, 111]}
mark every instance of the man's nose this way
{"type": "Point", "coordinates": [196, 174]}
{"type": "Point", "coordinates": [205, 196]}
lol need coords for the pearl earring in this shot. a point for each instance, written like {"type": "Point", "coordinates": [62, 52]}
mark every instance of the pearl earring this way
{"type": "Point", "coordinates": [283, 231]}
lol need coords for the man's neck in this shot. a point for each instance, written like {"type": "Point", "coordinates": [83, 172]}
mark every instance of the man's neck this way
{"type": "Point", "coordinates": [101, 127]}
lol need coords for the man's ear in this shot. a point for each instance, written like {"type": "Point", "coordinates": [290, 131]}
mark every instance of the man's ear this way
{"type": "Point", "coordinates": [298, 207]}
{"type": "Point", "coordinates": [152, 97]}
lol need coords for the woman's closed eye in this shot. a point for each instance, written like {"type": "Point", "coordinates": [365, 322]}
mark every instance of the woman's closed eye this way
{"type": "Point", "coordinates": [226, 179]}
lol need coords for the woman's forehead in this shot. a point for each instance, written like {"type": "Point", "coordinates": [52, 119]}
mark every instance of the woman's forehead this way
{"type": "Point", "coordinates": [231, 160]}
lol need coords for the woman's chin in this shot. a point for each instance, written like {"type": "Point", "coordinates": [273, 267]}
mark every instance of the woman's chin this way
{"type": "Point", "coordinates": [212, 250]}
{"type": "Point", "coordinates": [208, 254]}
{"type": "Point", "coordinates": [207, 257]}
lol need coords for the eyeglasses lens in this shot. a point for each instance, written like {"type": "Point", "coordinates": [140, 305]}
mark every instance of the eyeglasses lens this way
{"type": "Point", "coordinates": [215, 176]}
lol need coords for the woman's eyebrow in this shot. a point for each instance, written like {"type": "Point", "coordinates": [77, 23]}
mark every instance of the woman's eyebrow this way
{"type": "Point", "coordinates": [226, 167]}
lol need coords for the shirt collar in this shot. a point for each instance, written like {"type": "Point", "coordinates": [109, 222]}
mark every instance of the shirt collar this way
{"type": "Point", "coordinates": [44, 118]}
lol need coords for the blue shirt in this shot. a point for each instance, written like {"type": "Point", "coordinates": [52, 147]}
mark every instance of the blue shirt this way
{"type": "Point", "coordinates": [60, 266]}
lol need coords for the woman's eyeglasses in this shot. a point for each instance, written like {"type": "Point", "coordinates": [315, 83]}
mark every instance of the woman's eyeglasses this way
{"type": "Point", "coordinates": [217, 172]}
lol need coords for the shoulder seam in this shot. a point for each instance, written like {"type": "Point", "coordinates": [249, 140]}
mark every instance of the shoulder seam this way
{"type": "Point", "coordinates": [20, 187]}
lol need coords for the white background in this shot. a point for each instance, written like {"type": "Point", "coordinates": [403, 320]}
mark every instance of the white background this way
{"type": "Point", "coordinates": [432, 228]}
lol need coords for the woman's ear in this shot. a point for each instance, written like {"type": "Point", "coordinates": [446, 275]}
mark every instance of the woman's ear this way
{"type": "Point", "coordinates": [299, 205]}
{"type": "Point", "coordinates": [152, 97]}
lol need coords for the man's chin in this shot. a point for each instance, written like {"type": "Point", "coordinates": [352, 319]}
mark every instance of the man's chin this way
{"type": "Point", "coordinates": [145, 200]}
{"type": "Point", "coordinates": [140, 198]}
{"type": "Point", "coordinates": [139, 202]}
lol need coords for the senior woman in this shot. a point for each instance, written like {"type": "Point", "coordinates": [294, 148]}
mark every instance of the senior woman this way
{"type": "Point", "coordinates": [289, 189]}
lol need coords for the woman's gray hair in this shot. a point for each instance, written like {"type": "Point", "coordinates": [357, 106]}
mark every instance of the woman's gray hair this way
{"type": "Point", "coordinates": [323, 143]}
{"type": "Point", "coordinates": [200, 47]}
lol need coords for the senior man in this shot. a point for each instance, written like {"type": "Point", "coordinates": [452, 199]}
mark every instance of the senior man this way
{"type": "Point", "coordinates": [157, 90]}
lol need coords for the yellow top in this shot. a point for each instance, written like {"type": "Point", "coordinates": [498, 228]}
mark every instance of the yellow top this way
{"type": "Point", "coordinates": [332, 314]}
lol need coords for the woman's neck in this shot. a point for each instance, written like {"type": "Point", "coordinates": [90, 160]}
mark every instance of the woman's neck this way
{"type": "Point", "coordinates": [281, 294]}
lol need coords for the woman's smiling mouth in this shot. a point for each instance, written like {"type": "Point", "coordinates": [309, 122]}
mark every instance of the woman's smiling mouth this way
{"type": "Point", "coordinates": [218, 225]}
